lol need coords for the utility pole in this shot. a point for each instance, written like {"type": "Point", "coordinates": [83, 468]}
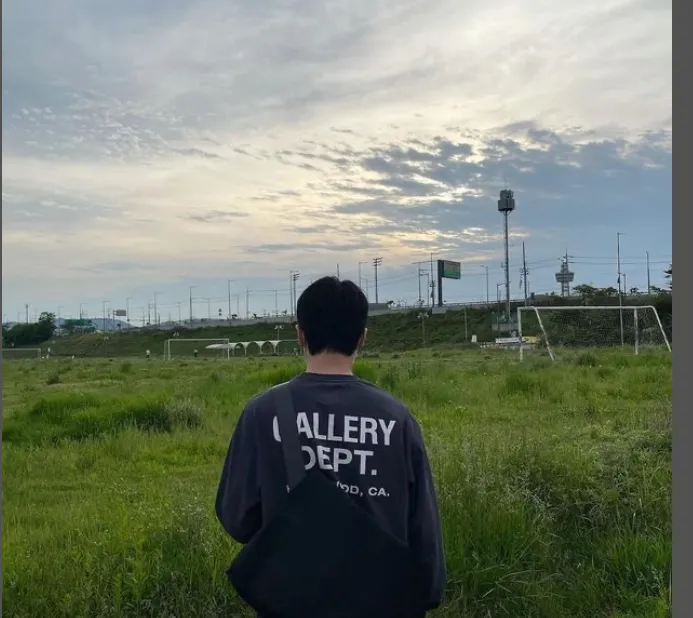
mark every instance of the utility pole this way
{"type": "Point", "coordinates": [420, 271]}
{"type": "Point", "coordinates": [487, 294]}
{"type": "Point", "coordinates": [433, 286]}
{"type": "Point", "coordinates": [337, 271]}
{"type": "Point", "coordinates": [524, 271]}
{"type": "Point", "coordinates": [156, 311]}
{"type": "Point", "coordinates": [620, 297]}
{"type": "Point", "coordinates": [104, 313]}
{"type": "Point", "coordinates": [466, 330]}
{"type": "Point", "coordinates": [229, 286]}
{"type": "Point", "coordinates": [26, 308]}
{"type": "Point", "coordinates": [179, 320]}
{"type": "Point", "coordinates": [247, 303]}
{"type": "Point", "coordinates": [192, 287]}
{"type": "Point", "coordinates": [360, 280]}
{"type": "Point", "coordinates": [376, 262]}
{"type": "Point", "coordinates": [649, 287]}
{"type": "Point", "coordinates": [295, 275]}
{"type": "Point", "coordinates": [127, 309]}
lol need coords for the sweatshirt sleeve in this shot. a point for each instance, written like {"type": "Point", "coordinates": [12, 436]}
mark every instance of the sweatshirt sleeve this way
{"type": "Point", "coordinates": [425, 534]}
{"type": "Point", "coordinates": [238, 503]}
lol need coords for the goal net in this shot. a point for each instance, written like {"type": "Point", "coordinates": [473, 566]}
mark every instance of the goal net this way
{"type": "Point", "coordinates": [181, 347]}
{"type": "Point", "coordinates": [20, 353]}
{"type": "Point", "coordinates": [555, 331]}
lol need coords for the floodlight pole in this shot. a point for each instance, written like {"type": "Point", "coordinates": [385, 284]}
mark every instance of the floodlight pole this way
{"type": "Point", "coordinates": [649, 287]}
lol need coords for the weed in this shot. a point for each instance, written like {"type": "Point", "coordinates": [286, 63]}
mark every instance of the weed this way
{"type": "Point", "coordinates": [553, 480]}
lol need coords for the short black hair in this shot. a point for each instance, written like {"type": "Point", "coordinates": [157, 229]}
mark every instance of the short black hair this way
{"type": "Point", "coordinates": [332, 315]}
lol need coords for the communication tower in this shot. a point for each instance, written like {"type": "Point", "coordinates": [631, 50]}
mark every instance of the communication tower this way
{"type": "Point", "coordinates": [564, 276]}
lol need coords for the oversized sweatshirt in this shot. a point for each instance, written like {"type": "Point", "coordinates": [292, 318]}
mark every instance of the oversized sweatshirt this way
{"type": "Point", "coordinates": [356, 434]}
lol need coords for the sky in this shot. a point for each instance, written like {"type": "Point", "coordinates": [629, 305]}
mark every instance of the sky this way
{"type": "Point", "coordinates": [153, 146]}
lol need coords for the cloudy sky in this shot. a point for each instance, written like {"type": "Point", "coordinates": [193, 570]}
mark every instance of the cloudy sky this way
{"type": "Point", "coordinates": [151, 146]}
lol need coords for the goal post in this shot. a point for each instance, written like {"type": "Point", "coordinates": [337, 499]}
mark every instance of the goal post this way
{"type": "Point", "coordinates": [554, 329]}
{"type": "Point", "coordinates": [20, 353]}
{"type": "Point", "coordinates": [187, 347]}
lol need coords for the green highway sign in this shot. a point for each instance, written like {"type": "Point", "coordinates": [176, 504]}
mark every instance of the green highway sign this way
{"type": "Point", "coordinates": [449, 270]}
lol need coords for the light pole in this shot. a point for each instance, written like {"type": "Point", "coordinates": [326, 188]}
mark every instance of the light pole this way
{"type": "Point", "coordinates": [421, 272]}
{"type": "Point", "coordinates": [487, 296]}
{"type": "Point", "coordinates": [295, 275]}
{"type": "Point", "coordinates": [360, 263]}
{"type": "Point", "coordinates": [105, 302]}
{"type": "Point", "coordinates": [192, 287]}
{"type": "Point", "coordinates": [229, 281]}
{"type": "Point", "coordinates": [376, 262]}
{"type": "Point", "coordinates": [156, 311]}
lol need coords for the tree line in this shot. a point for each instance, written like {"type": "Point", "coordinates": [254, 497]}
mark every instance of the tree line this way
{"type": "Point", "coordinates": [31, 333]}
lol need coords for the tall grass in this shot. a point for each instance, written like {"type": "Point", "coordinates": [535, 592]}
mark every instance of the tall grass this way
{"type": "Point", "coordinates": [554, 482]}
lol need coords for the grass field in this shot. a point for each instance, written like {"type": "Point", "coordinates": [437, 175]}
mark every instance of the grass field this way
{"type": "Point", "coordinates": [554, 481]}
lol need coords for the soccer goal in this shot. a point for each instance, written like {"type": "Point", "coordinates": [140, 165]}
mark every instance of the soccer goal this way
{"type": "Point", "coordinates": [20, 353]}
{"type": "Point", "coordinates": [196, 348]}
{"type": "Point", "coordinates": [553, 330]}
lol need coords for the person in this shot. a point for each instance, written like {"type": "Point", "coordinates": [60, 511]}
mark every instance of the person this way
{"type": "Point", "coordinates": [350, 429]}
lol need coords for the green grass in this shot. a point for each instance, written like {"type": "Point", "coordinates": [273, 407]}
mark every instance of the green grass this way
{"type": "Point", "coordinates": [554, 481]}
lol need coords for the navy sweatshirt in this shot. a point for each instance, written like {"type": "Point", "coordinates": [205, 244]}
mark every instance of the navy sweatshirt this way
{"type": "Point", "coordinates": [357, 434]}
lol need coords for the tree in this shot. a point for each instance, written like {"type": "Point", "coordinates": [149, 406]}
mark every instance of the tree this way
{"type": "Point", "coordinates": [669, 275]}
{"type": "Point", "coordinates": [30, 334]}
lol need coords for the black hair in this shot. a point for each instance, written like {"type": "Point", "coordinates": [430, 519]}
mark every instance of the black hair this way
{"type": "Point", "coordinates": [332, 315]}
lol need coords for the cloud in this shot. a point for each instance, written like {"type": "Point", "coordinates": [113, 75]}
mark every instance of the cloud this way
{"type": "Point", "coordinates": [216, 216]}
{"type": "Point", "coordinates": [184, 137]}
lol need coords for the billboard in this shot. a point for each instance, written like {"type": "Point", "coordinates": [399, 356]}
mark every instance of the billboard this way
{"type": "Point", "coordinates": [449, 270]}
{"type": "Point", "coordinates": [120, 313]}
